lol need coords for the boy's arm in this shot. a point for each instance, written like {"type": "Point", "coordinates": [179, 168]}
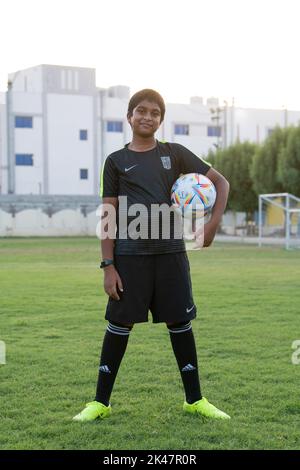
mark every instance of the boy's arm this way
{"type": "Point", "coordinates": [222, 188]}
{"type": "Point", "coordinates": [107, 244]}
{"type": "Point", "coordinates": [190, 163]}
{"type": "Point", "coordinates": [112, 280]}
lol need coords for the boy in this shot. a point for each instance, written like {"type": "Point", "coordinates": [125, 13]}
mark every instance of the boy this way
{"type": "Point", "coordinates": [150, 273]}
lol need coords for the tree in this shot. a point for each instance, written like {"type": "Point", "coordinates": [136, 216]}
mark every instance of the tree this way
{"type": "Point", "coordinates": [289, 163]}
{"type": "Point", "coordinates": [211, 157]}
{"type": "Point", "coordinates": [264, 171]}
{"type": "Point", "coordinates": [235, 163]}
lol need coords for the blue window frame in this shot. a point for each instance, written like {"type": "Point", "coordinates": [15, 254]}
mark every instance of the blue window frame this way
{"type": "Point", "coordinates": [83, 134]}
{"type": "Point", "coordinates": [84, 174]}
{"type": "Point", "coordinates": [23, 121]}
{"type": "Point", "coordinates": [214, 131]}
{"type": "Point", "coordinates": [181, 129]}
{"type": "Point", "coordinates": [114, 126]}
{"type": "Point", "coordinates": [24, 159]}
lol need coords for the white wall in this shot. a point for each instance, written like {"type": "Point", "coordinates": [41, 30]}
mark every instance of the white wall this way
{"type": "Point", "coordinates": [198, 118]}
{"type": "Point", "coordinates": [27, 103]}
{"type": "Point", "coordinates": [114, 109]}
{"type": "Point", "coordinates": [29, 179]}
{"type": "Point", "coordinates": [34, 222]}
{"type": "Point", "coordinates": [253, 124]}
{"type": "Point", "coordinates": [29, 80]}
{"type": "Point", "coordinates": [3, 148]}
{"type": "Point", "coordinates": [67, 114]}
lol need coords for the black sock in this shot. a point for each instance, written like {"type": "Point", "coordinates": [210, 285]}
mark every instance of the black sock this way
{"type": "Point", "coordinates": [183, 343]}
{"type": "Point", "coordinates": [113, 349]}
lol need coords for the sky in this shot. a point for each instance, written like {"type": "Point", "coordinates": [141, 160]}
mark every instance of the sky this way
{"type": "Point", "coordinates": [242, 49]}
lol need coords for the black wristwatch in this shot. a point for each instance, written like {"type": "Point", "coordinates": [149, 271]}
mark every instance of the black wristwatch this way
{"type": "Point", "coordinates": [106, 262]}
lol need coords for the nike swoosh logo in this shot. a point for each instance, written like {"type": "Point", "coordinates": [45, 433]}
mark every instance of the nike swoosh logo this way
{"type": "Point", "coordinates": [127, 169]}
{"type": "Point", "coordinates": [188, 310]}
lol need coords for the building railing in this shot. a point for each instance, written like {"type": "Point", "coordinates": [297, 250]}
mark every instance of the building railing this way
{"type": "Point", "coordinates": [49, 204]}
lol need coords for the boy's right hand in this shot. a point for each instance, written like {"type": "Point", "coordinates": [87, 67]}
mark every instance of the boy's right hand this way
{"type": "Point", "coordinates": [112, 282]}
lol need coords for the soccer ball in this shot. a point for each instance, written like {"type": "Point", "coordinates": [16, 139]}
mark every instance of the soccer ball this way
{"type": "Point", "coordinates": [193, 195]}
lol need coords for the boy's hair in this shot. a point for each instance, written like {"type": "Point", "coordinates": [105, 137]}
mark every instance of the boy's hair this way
{"type": "Point", "coordinates": [150, 95]}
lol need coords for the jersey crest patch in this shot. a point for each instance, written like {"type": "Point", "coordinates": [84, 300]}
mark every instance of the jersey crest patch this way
{"type": "Point", "coordinates": [166, 161]}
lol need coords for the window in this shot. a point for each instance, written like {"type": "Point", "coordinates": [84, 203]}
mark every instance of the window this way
{"type": "Point", "coordinates": [83, 174]}
{"type": "Point", "coordinates": [269, 132]}
{"type": "Point", "coordinates": [181, 129]}
{"type": "Point", "coordinates": [114, 126]}
{"type": "Point", "coordinates": [24, 159]}
{"type": "Point", "coordinates": [23, 121]}
{"type": "Point", "coordinates": [214, 131]}
{"type": "Point", "coordinates": [83, 134]}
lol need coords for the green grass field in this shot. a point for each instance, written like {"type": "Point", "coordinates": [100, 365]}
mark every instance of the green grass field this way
{"type": "Point", "coordinates": [52, 321]}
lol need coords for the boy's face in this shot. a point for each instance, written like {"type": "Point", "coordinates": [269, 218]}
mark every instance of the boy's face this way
{"type": "Point", "coordinates": [145, 119]}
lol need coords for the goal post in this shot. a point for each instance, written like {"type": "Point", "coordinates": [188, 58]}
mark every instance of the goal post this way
{"type": "Point", "coordinates": [279, 219]}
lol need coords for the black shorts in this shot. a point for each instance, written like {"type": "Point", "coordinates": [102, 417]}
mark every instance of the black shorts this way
{"type": "Point", "coordinates": [159, 283]}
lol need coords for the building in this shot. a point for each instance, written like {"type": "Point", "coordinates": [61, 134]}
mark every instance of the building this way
{"type": "Point", "coordinates": [57, 127]}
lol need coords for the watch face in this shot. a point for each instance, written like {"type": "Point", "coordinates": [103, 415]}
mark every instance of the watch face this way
{"type": "Point", "coordinates": [106, 263]}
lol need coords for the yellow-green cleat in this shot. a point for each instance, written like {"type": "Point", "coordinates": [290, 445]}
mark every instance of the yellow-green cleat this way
{"type": "Point", "coordinates": [92, 411]}
{"type": "Point", "coordinates": [204, 408]}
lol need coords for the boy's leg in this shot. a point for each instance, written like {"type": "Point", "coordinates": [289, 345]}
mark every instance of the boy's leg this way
{"type": "Point", "coordinates": [184, 348]}
{"type": "Point", "coordinates": [137, 274]}
{"type": "Point", "coordinates": [183, 344]}
{"type": "Point", "coordinates": [173, 304]}
{"type": "Point", "coordinates": [113, 349]}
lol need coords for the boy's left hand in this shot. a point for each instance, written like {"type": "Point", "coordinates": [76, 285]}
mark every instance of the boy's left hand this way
{"type": "Point", "coordinates": [205, 236]}
{"type": "Point", "coordinates": [210, 230]}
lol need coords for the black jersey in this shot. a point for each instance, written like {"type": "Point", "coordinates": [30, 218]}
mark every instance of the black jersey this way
{"type": "Point", "coordinates": [147, 178]}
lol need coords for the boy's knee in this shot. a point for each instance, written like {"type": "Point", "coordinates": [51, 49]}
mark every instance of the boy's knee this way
{"type": "Point", "coordinates": [122, 325]}
{"type": "Point", "coordinates": [178, 324]}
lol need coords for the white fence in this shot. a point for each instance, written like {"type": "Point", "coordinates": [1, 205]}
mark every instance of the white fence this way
{"type": "Point", "coordinates": [54, 216]}
{"type": "Point", "coordinates": [48, 216]}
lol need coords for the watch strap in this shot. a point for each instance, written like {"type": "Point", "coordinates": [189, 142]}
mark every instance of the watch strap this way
{"type": "Point", "coordinates": [106, 262]}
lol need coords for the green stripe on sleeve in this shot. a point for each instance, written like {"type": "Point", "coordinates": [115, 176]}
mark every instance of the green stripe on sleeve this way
{"type": "Point", "coordinates": [205, 161]}
{"type": "Point", "coordinates": [101, 181]}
